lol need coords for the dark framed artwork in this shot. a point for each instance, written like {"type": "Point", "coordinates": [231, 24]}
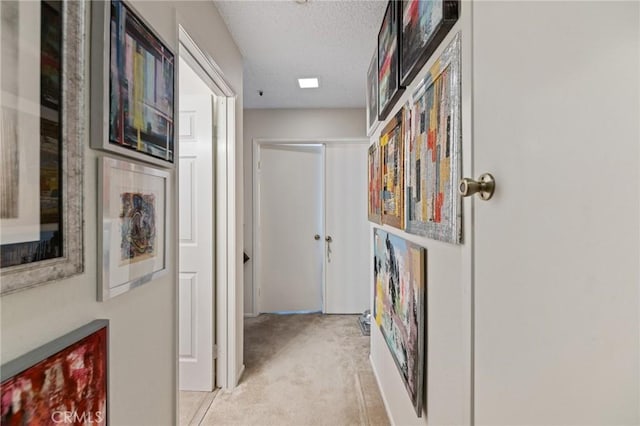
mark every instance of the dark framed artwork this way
{"type": "Point", "coordinates": [62, 382]}
{"type": "Point", "coordinates": [389, 89]}
{"type": "Point", "coordinates": [375, 184]}
{"type": "Point", "coordinates": [434, 207]}
{"type": "Point", "coordinates": [41, 142]}
{"type": "Point", "coordinates": [392, 164]}
{"type": "Point", "coordinates": [399, 309]}
{"type": "Point", "coordinates": [372, 94]}
{"type": "Point", "coordinates": [133, 86]}
{"type": "Point", "coordinates": [425, 23]}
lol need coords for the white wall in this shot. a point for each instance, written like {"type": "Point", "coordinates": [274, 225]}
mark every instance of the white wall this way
{"type": "Point", "coordinates": [449, 303]}
{"type": "Point", "coordinates": [288, 124]}
{"type": "Point", "coordinates": [143, 344]}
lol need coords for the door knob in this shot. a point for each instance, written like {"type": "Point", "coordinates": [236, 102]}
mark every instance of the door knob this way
{"type": "Point", "coordinates": [328, 239]}
{"type": "Point", "coordinates": [316, 237]}
{"type": "Point", "coordinates": [484, 186]}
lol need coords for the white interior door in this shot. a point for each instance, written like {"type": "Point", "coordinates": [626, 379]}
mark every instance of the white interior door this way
{"type": "Point", "coordinates": [196, 286]}
{"type": "Point", "coordinates": [347, 288]}
{"type": "Point", "coordinates": [290, 269]}
{"type": "Point", "coordinates": [556, 109]}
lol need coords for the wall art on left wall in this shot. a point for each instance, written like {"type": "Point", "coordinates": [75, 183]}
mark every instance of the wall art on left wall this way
{"type": "Point", "coordinates": [132, 239]}
{"type": "Point", "coordinates": [133, 86]}
{"type": "Point", "coordinates": [41, 141]}
{"type": "Point", "coordinates": [62, 380]}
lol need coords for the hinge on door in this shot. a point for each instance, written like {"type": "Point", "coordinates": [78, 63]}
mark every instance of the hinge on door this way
{"type": "Point", "coordinates": [215, 351]}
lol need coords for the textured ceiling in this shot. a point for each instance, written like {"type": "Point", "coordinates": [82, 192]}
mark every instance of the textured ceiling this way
{"type": "Point", "coordinates": [282, 41]}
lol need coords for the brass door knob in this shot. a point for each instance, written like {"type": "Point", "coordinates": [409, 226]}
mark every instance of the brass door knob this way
{"type": "Point", "coordinates": [316, 237]}
{"type": "Point", "coordinates": [484, 186]}
{"type": "Point", "coordinates": [328, 239]}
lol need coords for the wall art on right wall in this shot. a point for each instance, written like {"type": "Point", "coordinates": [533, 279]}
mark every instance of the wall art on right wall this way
{"type": "Point", "coordinates": [424, 24]}
{"type": "Point", "coordinates": [434, 152]}
{"type": "Point", "coordinates": [400, 300]}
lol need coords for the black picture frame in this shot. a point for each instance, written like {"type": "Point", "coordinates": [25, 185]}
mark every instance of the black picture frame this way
{"type": "Point", "coordinates": [417, 44]}
{"type": "Point", "coordinates": [389, 88]}
{"type": "Point", "coordinates": [133, 113]}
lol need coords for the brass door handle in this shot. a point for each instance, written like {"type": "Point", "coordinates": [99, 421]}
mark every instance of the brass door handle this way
{"type": "Point", "coordinates": [484, 186]}
{"type": "Point", "coordinates": [328, 239]}
{"type": "Point", "coordinates": [316, 237]}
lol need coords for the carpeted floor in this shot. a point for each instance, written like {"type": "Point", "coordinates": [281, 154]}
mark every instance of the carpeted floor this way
{"type": "Point", "coordinates": [302, 370]}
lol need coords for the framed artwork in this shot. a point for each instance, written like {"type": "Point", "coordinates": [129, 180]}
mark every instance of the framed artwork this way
{"type": "Point", "coordinates": [375, 184]}
{"type": "Point", "coordinates": [41, 142]}
{"type": "Point", "coordinates": [66, 377]}
{"type": "Point", "coordinates": [434, 158]}
{"type": "Point", "coordinates": [372, 94]}
{"type": "Point", "coordinates": [400, 301]}
{"type": "Point", "coordinates": [133, 239]}
{"type": "Point", "coordinates": [389, 89]}
{"type": "Point", "coordinates": [425, 23]}
{"type": "Point", "coordinates": [392, 152]}
{"type": "Point", "coordinates": [133, 86]}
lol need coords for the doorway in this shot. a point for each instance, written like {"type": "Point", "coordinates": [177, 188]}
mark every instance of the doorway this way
{"type": "Point", "coordinates": [206, 319]}
{"type": "Point", "coordinates": [310, 226]}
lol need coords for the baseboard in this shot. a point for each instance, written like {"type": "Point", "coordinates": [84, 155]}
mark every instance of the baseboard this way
{"type": "Point", "coordinates": [382, 394]}
{"type": "Point", "coordinates": [240, 374]}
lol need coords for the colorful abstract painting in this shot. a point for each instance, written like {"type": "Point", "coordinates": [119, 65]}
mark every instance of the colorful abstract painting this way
{"type": "Point", "coordinates": [392, 151]}
{"type": "Point", "coordinates": [141, 110]}
{"type": "Point", "coordinates": [375, 182]}
{"type": "Point", "coordinates": [388, 82]}
{"type": "Point", "coordinates": [399, 269]}
{"type": "Point", "coordinates": [67, 387]}
{"type": "Point", "coordinates": [433, 203]}
{"type": "Point", "coordinates": [138, 227]}
{"type": "Point", "coordinates": [424, 23]}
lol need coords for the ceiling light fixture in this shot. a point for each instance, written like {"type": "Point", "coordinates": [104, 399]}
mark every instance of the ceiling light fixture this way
{"type": "Point", "coordinates": [308, 83]}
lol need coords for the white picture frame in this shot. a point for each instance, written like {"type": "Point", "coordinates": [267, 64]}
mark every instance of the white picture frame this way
{"type": "Point", "coordinates": [133, 216]}
{"type": "Point", "coordinates": [372, 95]}
{"type": "Point", "coordinates": [68, 259]}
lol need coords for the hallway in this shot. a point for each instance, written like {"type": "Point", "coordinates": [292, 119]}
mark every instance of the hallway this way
{"type": "Point", "coordinates": [300, 370]}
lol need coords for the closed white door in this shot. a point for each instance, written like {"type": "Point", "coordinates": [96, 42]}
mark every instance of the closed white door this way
{"type": "Point", "coordinates": [556, 110]}
{"type": "Point", "coordinates": [196, 285]}
{"type": "Point", "coordinates": [290, 260]}
{"type": "Point", "coordinates": [347, 226]}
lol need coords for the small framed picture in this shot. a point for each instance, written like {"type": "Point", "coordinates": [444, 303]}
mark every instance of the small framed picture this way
{"type": "Point", "coordinates": [132, 86]}
{"type": "Point", "coordinates": [375, 183]}
{"type": "Point", "coordinates": [132, 240]}
{"type": "Point", "coordinates": [372, 95]}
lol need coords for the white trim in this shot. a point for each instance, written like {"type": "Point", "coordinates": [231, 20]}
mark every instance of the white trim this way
{"type": "Point", "coordinates": [381, 390]}
{"type": "Point", "coordinates": [257, 144]}
{"type": "Point", "coordinates": [225, 209]}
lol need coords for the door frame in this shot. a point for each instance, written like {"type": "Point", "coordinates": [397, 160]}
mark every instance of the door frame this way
{"type": "Point", "coordinates": [258, 143]}
{"type": "Point", "coordinates": [226, 371]}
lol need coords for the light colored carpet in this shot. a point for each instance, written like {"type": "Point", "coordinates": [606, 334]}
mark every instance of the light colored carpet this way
{"type": "Point", "coordinates": [302, 370]}
{"type": "Point", "coordinates": [190, 402]}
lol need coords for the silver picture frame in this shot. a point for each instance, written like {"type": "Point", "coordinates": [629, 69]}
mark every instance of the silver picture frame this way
{"type": "Point", "coordinates": [71, 262]}
{"type": "Point", "coordinates": [132, 241]}
{"type": "Point", "coordinates": [433, 205]}
{"type": "Point", "coordinates": [101, 39]}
